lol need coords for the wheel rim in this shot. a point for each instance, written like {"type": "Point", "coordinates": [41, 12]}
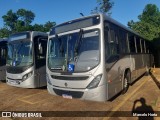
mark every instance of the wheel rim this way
{"type": "Point", "coordinates": [125, 83]}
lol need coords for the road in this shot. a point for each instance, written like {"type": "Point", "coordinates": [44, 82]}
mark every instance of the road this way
{"type": "Point", "coordinates": [145, 90]}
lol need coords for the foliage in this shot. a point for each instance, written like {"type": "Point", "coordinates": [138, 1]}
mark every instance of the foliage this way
{"type": "Point", "coordinates": [44, 28]}
{"type": "Point", "coordinates": [21, 20]}
{"type": "Point", "coordinates": [26, 16]}
{"type": "Point", "coordinates": [148, 25]}
{"type": "Point", "coordinates": [48, 25]}
{"type": "Point", "coordinates": [10, 19]}
{"type": "Point", "coordinates": [4, 32]}
{"type": "Point", "coordinates": [104, 6]}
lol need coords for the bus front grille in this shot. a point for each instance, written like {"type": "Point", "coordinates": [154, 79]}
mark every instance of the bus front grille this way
{"type": "Point", "coordinates": [74, 94]}
{"type": "Point", "coordinates": [14, 79]}
{"type": "Point", "coordinates": [70, 77]}
{"type": "Point", "coordinates": [16, 69]}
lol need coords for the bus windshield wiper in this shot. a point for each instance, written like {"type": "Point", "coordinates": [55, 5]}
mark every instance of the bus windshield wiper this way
{"type": "Point", "coordinates": [78, 42]}
{"type": "Point", "coordinates": [20, 47]}
{"type": "Point", "coordinates": [61, 44]}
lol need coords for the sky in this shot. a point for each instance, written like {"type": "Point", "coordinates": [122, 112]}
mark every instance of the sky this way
{"type": "Point", "coordinates": [60, 11]}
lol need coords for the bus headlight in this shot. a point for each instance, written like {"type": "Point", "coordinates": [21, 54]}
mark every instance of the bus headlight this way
{"type": "Point", "coordinates": [26, 76]}
{"type": "Point", "coordinates": [48, 80]}
{"type": "Point", "coordinates": [94, 83]}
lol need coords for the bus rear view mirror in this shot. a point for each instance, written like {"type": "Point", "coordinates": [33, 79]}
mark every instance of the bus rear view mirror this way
{"type": "Point", "coordinates": [40, 48]}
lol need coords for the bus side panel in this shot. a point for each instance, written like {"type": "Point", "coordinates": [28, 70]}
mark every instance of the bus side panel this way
{"type": "Point", "coordinates": [151, 59]}
{"type": "Point", "coordinates": [115, 75]}
{"type": "Point", "coordinates": [133, 68]}
{"type": "Point", "coordinates": [2, 72]}
{"type": "Point", "coordinates": [146, 61]}
{"type": "Point", "coordinates": [37, 78]}
{"type": "Point", "coordinates": [136, 63]}
{"type": "Point", "coordinates": [42, 76]}
{"type": "Point", "coordinates": [137, 66]}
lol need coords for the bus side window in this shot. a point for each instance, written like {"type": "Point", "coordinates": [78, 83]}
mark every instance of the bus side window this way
{"type": "Point", "coordinates": [111, 43]}
{"type": "Point", "coordinates": [114, 42]}
{"type": "Point", "coordinates": [143, 46]}
{"type": "Point", "coordinates": [106, 38]}
{"type": "Point", "coordinates": [131, 43]}
{"type": "Point", "coordinates": [138, 44]}
{"type": "Point", "coordinates": [123, 41]}
{"type": "Point", "coordinates": [147, 47]}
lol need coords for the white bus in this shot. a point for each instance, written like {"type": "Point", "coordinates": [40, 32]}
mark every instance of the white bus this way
{"type": "Point", "coordinates": [3, 57]}
{"type": "Point", "coordinates": [94, 58]}
{"type": "Point", "coordinates": [26, 60]}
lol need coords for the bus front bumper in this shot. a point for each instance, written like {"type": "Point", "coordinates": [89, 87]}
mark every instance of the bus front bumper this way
{"type": "Point", "coordinates": [96, 94]}
{"type": "Point", "coordinates": [28, 83]}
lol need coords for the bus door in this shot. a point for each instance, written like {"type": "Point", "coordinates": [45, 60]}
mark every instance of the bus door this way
{"type": "Point", "coordinates": [40, 60]}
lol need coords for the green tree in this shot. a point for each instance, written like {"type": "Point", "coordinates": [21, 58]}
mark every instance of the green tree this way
{"type": "Point", "coordinates": [22, 21]}
{"type": "Point", "coordinates": [39, 27]}
{"type": "Point", "coordinates": [26, 16]}
{"type": "Point", "coordinates": [149, 22]}
{"type": "Point", "coordinates": [19, 20]}
{"type": "Point", "coordinates": [20, 27]}
{"type": "Point", "coordinates": [48, 25]}
{"type": "Point", "coordinates": [4, 32]}
{"type": "Point", "coordinates": [103, 6]}
{"type": "Point", "coordinates": [10, 20]}
{"type": "Point", "coordinates": [44, 28]}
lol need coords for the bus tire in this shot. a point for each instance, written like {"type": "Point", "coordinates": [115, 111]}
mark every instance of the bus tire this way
{"type": "Point", "coordinates": [147, 71]}
{"type": "Point", "coordinates": [126, 81]}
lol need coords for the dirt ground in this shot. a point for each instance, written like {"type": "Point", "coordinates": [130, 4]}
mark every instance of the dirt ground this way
{"type": "Point", "coordinates": [145, 94]}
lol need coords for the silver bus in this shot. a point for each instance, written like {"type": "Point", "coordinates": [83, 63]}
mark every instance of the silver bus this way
{"type": "Point", "coordinates": [26, 60]}
{"type": "Point", "coordinates": [3, 57]}
{"type": "Point", "coordinates": [94, 58]}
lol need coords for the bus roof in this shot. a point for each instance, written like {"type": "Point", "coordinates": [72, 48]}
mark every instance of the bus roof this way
{"type": "Point", "coordinates": [119, 24]}
{"type": "Point", "coordinates": [29, 32]}
{"type": "Point", "coordinates": [105, 17]}
{"type": "Point", "coordinates": [3, 39]}
{"type": "Point", "coordinates": [26, 35]}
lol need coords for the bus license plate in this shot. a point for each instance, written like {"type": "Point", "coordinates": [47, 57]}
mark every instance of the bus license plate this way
{"type": "Point", "coordinates": [13, 82]}
{"type": "Point", "coordinates": [67, 96]}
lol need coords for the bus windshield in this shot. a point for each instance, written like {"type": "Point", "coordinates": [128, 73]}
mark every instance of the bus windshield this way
{"type": "Point", "coordinates": [80, 49]}
{"type": "Point", "coordinates": [20, 54]}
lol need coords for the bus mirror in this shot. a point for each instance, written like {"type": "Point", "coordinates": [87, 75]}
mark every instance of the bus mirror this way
{"type": "Point", "coordinates": [40, 48]}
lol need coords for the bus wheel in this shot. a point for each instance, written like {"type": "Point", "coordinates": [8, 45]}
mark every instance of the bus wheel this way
{"type": "Point", "coordinates": [147, 71]}
{"type": "Point", "coordinates": [126, 82]}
